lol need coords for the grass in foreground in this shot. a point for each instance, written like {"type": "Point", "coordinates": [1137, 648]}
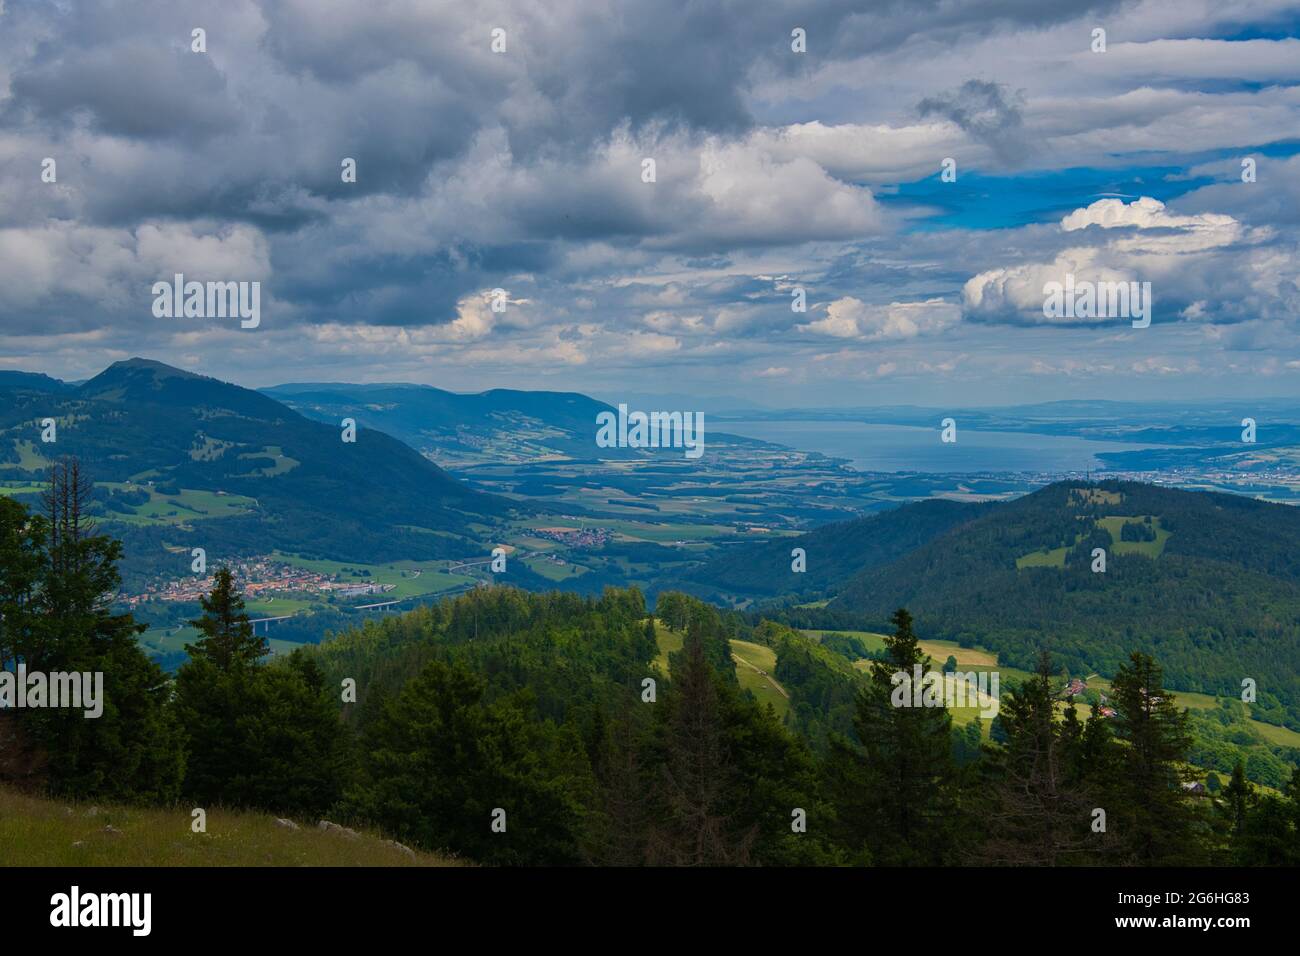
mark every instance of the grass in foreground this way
{"type": "Point", "coordinates": [39, 831]}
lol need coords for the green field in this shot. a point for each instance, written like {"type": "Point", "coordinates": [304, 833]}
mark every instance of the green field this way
{"type": "Point", "coordinates": [552, 571]}
{"type": "Point", "coordinates": [670, 642]}
{"type": "Point", "coordinates": [755, 664]}
{"type": "Point", "coordinates": [30, 457]}
{"type": "Point", "coordinates": [971, 658]}
{"type": "Point", "coordinates": [410, 578]}
{"type": "Point", "coordinates": [1152, 549]}
{"type": "Point", "coordinates": [35, 831]}
{"type": "Point", "coordinates": [978, 659]}
{"type": "Point", "coordinates": [167, 640]}
{"type": "Point", "coordinates": [1043, 559]}
{"type": "Point", "coordinates": [20, 488]}
{"type": "Point", "coordinates": [1114, 525]}
{"type": "Point", "coordinates": [283, 463]}
{"type": "Point", "coordinates": [650, 530]}
{"type": "Point", "coordinates": [188, 505]}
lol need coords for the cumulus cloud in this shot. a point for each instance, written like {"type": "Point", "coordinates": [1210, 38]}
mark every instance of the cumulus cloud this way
{"type": "Point", "coordinates": [850, 318]}
{"type": "Point", "coordinates": [522, 171]}
{"type": "Point", "coordinates": [1206, 267]}
{"type": "Point", "coordinates": [98, 273]}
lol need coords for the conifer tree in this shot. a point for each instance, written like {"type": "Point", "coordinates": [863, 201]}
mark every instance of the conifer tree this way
{"type": "Point", "coordinates": [618, 830]}
{"type": "Point", "coordinates": [22, 541]}
{"type": "Point", "coordinates": [228, 640]}
{"type": "Point", "coordinates": [696, 773]}
{"type": "Point", "coordinates": [67, 580]}
{"type": "Point", "coordinates": [1035, 815]}
{"type": "Point", "coordinates": [906, 786]}
{"type": "Point", "coordinates": [1157, 824]}
{"type": "Point", "coordinates": [1236, 800]}
{"type": "Point", "coordinates": [260, 736]}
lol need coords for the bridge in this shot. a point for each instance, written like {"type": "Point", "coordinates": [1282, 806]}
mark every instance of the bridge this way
{"type": "Point", "coordinates": [371, 607]}
{"type": "Point", "coordinates": [268, 621]}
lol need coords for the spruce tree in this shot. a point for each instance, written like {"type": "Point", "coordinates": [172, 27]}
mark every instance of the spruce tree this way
{"type": "Point", "coordinates": [617, 831]}
{"type": "Point", "coordinates": [1036, 816]}
{"type": "Point", "coordinates": [697, 773]}
{"type": "Point", "coordinates": [228, 641]}
{"type": "Point", "coordinates": [1236, 800]}
{"type": "Point", "coordinates": [133, 750]}
{"type": "Point", "coordinates": [906, 800]}
{"type": "Point", "coordinates": [1157, 825]}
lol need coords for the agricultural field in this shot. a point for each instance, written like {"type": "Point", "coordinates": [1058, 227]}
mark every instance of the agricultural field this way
{"type": "Point", "coordinates": [410, 579]}
{"type": "Point", "coordinates": [181, 508]}
{"type": "Point", "coordinates": [979, 659]}
{"type": "Point", "coordinates": [755, 664]}
{"type": "Point", "coordinates": [158, 641]}
{"type": "Point", "coordinates": [552, 570]}
{"type": "Point", "coordinates": [11, 487]}
{"type": "Point", "coordinates": [29, 457]}
{"type": "Point", "coordinates": [968, 658]}
{"type": "Point", "coordinates": [283, 463]}
{"type": "Point", "coordinates": [189, 505]}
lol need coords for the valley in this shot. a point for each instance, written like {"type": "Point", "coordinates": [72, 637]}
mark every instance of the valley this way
{"type": "Point", "coordinates": [989, 562]}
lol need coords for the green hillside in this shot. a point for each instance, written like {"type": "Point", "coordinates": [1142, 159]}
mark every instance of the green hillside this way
{"type": "Point", "coordinates": [184, 460]}
{"type": "Point", "coordinates": [834, 553]}
{"type": "Point", "coordinates": [1211, 584]}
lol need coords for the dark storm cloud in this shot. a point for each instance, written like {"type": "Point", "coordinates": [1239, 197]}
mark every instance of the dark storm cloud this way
{"type": "Point", "coordinates": [135, 88]}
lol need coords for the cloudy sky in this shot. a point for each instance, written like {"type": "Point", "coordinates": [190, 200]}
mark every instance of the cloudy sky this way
{"type": "Point", "coordinates": [774, 170]}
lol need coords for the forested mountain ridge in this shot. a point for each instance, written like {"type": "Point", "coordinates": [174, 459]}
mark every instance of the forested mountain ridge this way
{"type": "Point", "coordinates": [834, 553]}
{"type": "Point", "coordinates": [517, 424]}
{"type": "Point", "coordinates": [499, 425]}
{"type": "Point", "coordinates": [1208, 582]}
{"type": "Point", "coordinates": [142, 424]}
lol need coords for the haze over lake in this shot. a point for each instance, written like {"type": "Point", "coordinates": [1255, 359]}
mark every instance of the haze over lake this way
{"type": "Point", "coordinates": [873, 447]}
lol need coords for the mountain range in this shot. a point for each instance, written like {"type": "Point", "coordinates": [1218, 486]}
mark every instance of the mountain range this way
{"type": "Point", "coordinates": [144, 428]}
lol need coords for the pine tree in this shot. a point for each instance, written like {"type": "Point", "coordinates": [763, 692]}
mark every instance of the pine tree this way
{"type": "Point", "coordinates": [1236, 800]}
{"type": "Point", "coordinates": [1157, 824]}
{"type": "Point", "coordinates": [69, 576]}
{"type": "Point", "coordinates": [696, 773]}
{"type": "Point", "coordinates": [228, 641]}
{"type": "Point", "coordinates": [1035, 816]}
{"type": "Point", "coordinates": [905, 803]}
{"type": "Point", "coordinates": [617, 833]}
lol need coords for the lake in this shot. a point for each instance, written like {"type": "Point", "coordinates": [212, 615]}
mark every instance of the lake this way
{"type": "Point", "coordinates": [871, 447]}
